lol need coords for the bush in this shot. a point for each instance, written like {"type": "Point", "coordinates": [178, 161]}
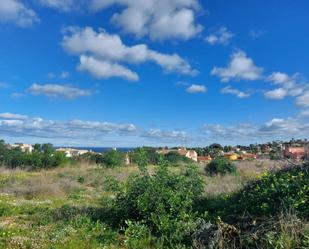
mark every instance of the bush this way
{"type": "Point", "coordinates": [220, 166]}
{"type": "Point", "coordinates": [285, 189]}
{"type": "Point", "coordinates": [163, 202]}
{"type": "Point", "coordinates": [174, 157]}
{"type": "Point", "coordinates": [42, 157]}
{"type": "Point", "coordinates": [137, 235]}
{"type": "Point", "coordinates": [145, 154]}
{"type": "Point", "coordinates": [113, 158]}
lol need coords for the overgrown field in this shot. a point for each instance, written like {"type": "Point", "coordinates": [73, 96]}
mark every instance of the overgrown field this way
{"type": "Point", "coordinates": [163, 206]}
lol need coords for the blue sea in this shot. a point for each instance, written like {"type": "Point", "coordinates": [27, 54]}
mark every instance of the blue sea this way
{"type": "Point", "coordinates": [103, 149]}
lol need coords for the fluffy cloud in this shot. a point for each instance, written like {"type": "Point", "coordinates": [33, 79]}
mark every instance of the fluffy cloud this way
{"type": "Point", "coordinates": [166, 136]}
{"type": "Point", "coordinates": [236, 92]}
{"type": "Point", "coordinates": [285, 127]}
{"type": "Point", "coordinates": [288, 86]}
{"type": "Point", "coordinates": [54, 90]}
{"type": "Point", "coordinates": [279, 78]}
{"type": "Point", "coordinates": [14, 11]}
{"type": "Point", "coordinates": [158, 19]}
{"type": "Point", "coordinates": [240, 67]}
{"type": "Point", "coordinates": [20, 125]}
{"type": "Point", "coordinates": [278, 93]}
{"type": "Point", "coordinates": [17, 125]}
{"type": "Point", "coordinates": [274, 129]}
{"type": "Point", "coordinates": [104, 70]}
{"type": "Point", "coordinates": [101, 54]}
{"type": "Point", "coordinates": [303, 99]}
{"type": "Point", "coordinates": [304, 113]}
{"type": "Point", "coordinates": [61, 5]}
{"type": "Point", "coordinates": [196, 89]}
{"type": "Point", "coordinates": [221, 36]}
{"type": "Point", "coordinates": [237, 133]}
{"type": "Point", "coordinates": [8, 115]}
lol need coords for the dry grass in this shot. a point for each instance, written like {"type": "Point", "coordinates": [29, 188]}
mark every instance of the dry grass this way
{"type": "Point", "coordinates": [36, 186]}
{"type": "Point", "coordinates": [246, 171]}
{"type": "Point", "coordinates": [63, 180]}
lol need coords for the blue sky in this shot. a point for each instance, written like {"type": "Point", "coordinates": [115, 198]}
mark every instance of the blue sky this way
{"type": "Point", "coordinates": [157, 72]}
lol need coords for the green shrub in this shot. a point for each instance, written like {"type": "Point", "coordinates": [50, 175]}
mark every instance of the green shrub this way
{"type": "Point", "coordinates": [285, 189]}
{"type": "Point", "coordinates": [163, 202]}
{"type": "Point", "coordinates": [42, 157]}
{"type": "Point", "coordinates": [113, 158]}
{"type": "Point", "coordinates": [137, 235]}
{"type": "Point", "coordinates": [111, 184]}
{"type": "Point", "coordinates": [174, 157]}
{"type": "Point", "coordinates": [144, 154]}
{"type": "Point", "coordinates": [220, 165]}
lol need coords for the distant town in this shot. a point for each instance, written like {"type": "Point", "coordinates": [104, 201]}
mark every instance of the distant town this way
{"type": "Point", "coordinates": [296, 150]}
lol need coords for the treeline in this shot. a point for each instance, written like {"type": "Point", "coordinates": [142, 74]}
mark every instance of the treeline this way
{"type": "Point", "coordinates": [143, 155]}
{"type": "Point", "coordinates": [43, 157]}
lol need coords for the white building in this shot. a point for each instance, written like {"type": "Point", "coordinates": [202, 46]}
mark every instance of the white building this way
{"type": "Point", "coordinates": [23, 147]}
{"type": "Point", "coordinates": [70, 152]}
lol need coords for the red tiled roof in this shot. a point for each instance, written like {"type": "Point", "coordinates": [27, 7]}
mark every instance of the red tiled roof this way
{"type": "Point", "coordinates": [203, 158]}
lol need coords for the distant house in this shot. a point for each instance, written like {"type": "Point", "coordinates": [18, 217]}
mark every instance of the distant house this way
{"type": "Point", "coordinates": [191, 154]}
{"type": "Point", "coordinates": [188, 153]}
{"type": "Point", "coordinates": [23, 147]}
{"type": "Point", "coordinates": [232, 157]}
{"type": "Point", "coordinates": [247, 156]}
{"type": "Point", "coordinates": [70, 152]}
{"type": "Point", "coordinates": [204, 159]}
{"type": "Point", "coordinates": [295, 153]}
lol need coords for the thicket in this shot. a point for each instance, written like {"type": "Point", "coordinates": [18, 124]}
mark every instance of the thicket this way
{"type": "Point", "coordinates": [220, 165]}
{"type": "Point", "coordinates": [43, 157]}
{"type": "Point", "coordinates": [266, 213]}
{"type": "Point", "coordinates": [160, 204]}
{"type": "Point", "coordinates": [108, 159]}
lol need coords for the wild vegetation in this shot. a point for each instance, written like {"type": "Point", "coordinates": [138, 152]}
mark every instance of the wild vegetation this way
{"type": "Point", "coordinates": [96, 202]}
{"type": "Point", "coordinates": [43, 156]}
{"type": "Point", "coordinates": [220, 165]}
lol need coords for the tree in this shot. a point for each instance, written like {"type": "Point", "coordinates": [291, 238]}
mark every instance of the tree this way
{"type": "Point", "coordinates": [162, 201]}
{"type": "Point", "coordinates": [37, 147]}
{"type": "Point", "coordinates": [141, 158]}
{"type": "Point", "coordinates": [113, 159]}
{"type": "Point", "coordinates": [275, 155]}
{"type": "Point", "coordinates": [174, 157]}
{"type": "Point", "coordinates": [227, 148]}
{"type": "Point", "coordinates": [220, 165]}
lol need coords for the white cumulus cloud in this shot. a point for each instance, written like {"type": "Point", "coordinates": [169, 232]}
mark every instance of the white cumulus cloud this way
{"type": "Point", "coordinates": [104, 69]}
{"type": "Point", "coordinates": [158, 19]}
{"type": "Point", "coordinates": [103, 54]}
{"type": "Point", "coordinates": [278, 93]}
{"type": "Point", "coordinates": [303, 99]}
{"type": "Point", "coordinates": [288, 86]}
{"type": "Point", "coordinates": [8, 115]}
{"type": "Point", "coordinates": [234, 91]}
{"type": "Point", "coordinates": [240, 67]}
{"type": "Point", "coordinates": [24, 126]}
{"type": "Point", "coordinates": [15, 11]}
{"type": "Point", "coordinates": [196, 89]}
{"type": "Point", "coordinates": [61, 5]}
{"type": "Point", "coordinates": [221, 36]}
{"type": "Point", "coordinates": [55, 90]}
